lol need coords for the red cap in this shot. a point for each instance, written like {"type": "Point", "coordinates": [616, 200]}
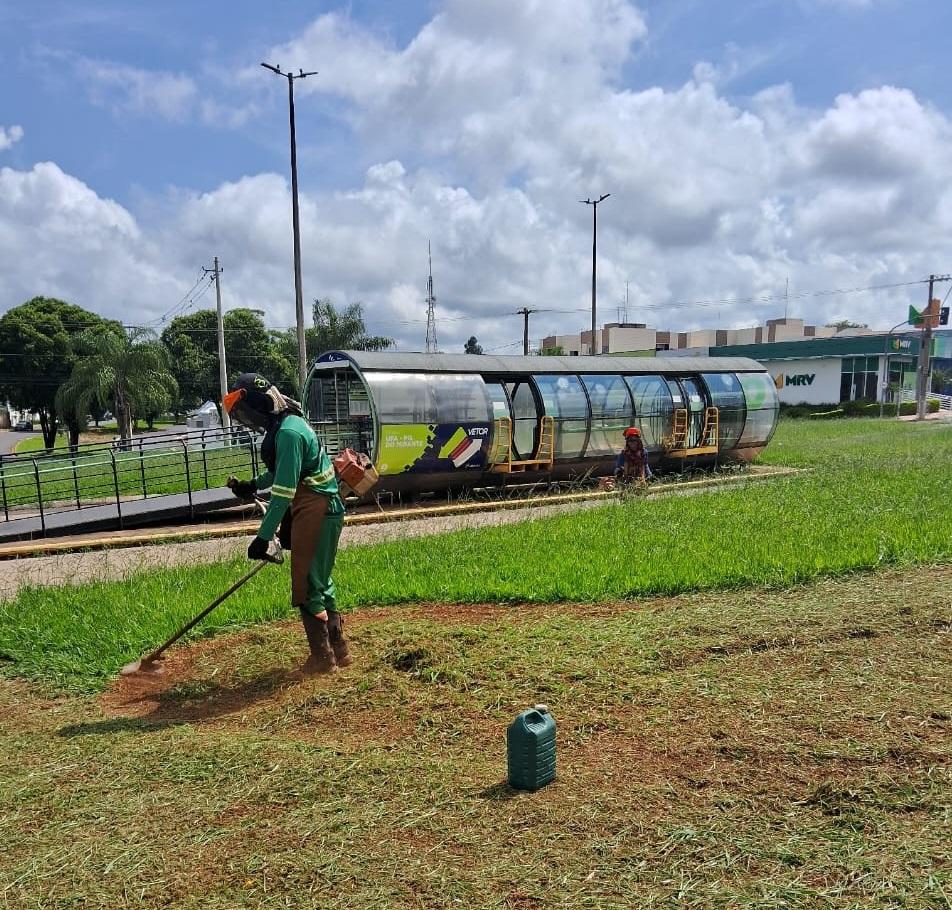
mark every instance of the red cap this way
{"type": "Point", "coordinates": [632, 431]}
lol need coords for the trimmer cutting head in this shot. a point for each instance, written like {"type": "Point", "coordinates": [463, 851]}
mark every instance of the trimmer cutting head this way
{"type": "Point", "coordinates": [145, 666]}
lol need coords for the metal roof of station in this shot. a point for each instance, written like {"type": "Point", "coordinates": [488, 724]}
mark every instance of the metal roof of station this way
{"type": "Point", "coordinates": [492, 364]}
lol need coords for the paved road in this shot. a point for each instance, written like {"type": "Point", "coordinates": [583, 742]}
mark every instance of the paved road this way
{"type": "Point", "coordinates": [9, 440]}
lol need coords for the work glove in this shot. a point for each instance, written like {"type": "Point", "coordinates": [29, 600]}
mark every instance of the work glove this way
{"type": "Point", "coordinates": [243, 489]}
{"type": "Point", "coordinates": [258, 548]}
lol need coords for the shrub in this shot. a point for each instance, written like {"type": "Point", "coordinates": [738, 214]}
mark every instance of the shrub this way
{"type": "Point", "coordinates": [804, 410]}
{"type": "Point", "coordinates": [856, 408]}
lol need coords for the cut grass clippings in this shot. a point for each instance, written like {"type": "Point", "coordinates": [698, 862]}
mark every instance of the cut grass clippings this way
{"type": "Point", "coordinates": [877, 495]}
{"type": "Point", "coordinates": [754, 749]}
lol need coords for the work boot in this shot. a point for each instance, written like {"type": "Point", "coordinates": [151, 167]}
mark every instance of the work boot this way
{"type": "Point", "coordinates": [322, 656]}
{"type": "Point", "coordinates": [335, 629]}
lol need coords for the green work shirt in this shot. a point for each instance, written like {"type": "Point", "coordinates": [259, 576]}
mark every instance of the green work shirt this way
{"type": "Point", "coordinates": [299, 459]}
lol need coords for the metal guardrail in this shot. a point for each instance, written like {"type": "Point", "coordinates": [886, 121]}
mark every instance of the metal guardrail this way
{"type": "Point", "coordinates": [945, 401]}
{"type": "Point", "coordinates": [143, 467]}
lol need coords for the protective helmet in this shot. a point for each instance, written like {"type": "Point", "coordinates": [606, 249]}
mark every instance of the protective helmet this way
{"type": "Point", "coordinates": [254, 401]}
{"type": "Point", "coordinates": [632, 431]}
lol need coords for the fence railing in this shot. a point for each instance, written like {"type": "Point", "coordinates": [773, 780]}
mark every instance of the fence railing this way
{"type": "Point", "coordinates": [159, 464]}
{"type": "Point", "coordinates": [945, 401]}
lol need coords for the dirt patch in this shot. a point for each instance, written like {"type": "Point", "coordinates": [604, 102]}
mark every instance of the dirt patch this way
{"type": "Point", "coordinates": [165, 696]}
{"type": "Point", "coordinates": [251, 679]}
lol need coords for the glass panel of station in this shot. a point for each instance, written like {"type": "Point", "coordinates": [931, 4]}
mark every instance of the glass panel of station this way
{"type": "Point", "coordinates": [498, 399]}
{"type": "Point", "coordinates": [403, 398]}
{"type": "Point", "coordinates": [525, 418]}
{"type": "Point", "coordinates": [653, 408]}
{"type": "Point", "coordinates": [728, 397]}
{"type": "Point", "coordinates": [696, 404]}
{"type": "Point", "coordinates": [460, 398]}
{"type": "Point", "coordinates": [611, 413]}
{"type": "Point", "coordinates": [338, 407]}
{"type": "Point", "coordinates": [760, 395]}
{"type": "Point", "coordinates": [564, 400]}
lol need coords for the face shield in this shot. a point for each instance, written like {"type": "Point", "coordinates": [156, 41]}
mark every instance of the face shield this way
{"type": "Point", "coordinates": [239, 408]}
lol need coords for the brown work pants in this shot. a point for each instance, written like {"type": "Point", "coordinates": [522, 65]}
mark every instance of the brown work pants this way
{"type": "Point", "coordinates": [314, 537]}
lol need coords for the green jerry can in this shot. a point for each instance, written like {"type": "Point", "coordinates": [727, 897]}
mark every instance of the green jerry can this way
{"type": "Point", "coordinates": [530, 749]}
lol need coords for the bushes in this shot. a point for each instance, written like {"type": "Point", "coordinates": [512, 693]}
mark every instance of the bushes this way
{"type": "Point", "coordinates": [803, 410]}
{"type": "Point", "coordinates": [853, 409]}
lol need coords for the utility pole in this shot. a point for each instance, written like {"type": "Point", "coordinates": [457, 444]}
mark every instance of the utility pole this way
{"type": "Point", "coordinates": [525, 311]}
{"type": "Point", "coordinates": [296, 226]}
{"type": "Point", "coordinates": [431, 344]}
{"type": "Point", "coordinates": [222, 371]}
{"type": "Point", "coordinates": [925, 355]}
{"type": "Point", "coordinates": [594, 204]}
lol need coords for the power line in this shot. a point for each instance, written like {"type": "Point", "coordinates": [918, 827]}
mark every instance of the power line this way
{"type": "Point", "coordinates": [181, 302]}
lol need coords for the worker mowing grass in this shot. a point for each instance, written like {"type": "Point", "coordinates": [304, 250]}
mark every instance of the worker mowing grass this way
{"type": "Point", "coordinates": [305, 504]}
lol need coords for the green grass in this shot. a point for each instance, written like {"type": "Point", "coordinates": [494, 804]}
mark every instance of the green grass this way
{"type": "Point", "coordinates": [36, 444]}
{"type": "Point", "coordinates": [876, 494]}
{"type": "Point", "coordinates": [752, 749]}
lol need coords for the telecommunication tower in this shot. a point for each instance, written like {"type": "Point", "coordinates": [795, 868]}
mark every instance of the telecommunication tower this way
{"type": "Point", "coordinates": [430, 307]}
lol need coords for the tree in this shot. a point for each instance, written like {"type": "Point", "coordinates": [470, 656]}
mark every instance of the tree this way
{"type": "Point", "coordinates": [557, 351]}
{"type": "Point", "coordinates": [333, 330]}
{"type": "Point", "coordinates": [192, 341]}
{"type": "Point", "coordinates": [846, 324]}
{"type": "Point", "coordinates": [342, 330]}
{"type": "Point", "coordinates": [473, 346]}
{"type": "Point", "coordinates": [38, 349]}
{"type": "Point", "coordinates": [131, 372]}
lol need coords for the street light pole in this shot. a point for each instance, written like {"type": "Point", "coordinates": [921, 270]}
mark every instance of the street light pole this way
{"type": "Point", "coordinates": [882, 393]}
{"type": "Point", "coordinates": [594, 204]}
{"type": "Point", "coordinates": [295, 225]}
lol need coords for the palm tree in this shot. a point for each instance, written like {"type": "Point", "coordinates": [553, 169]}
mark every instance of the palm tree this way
{"type": "Point", "coordinates": [130, 371]}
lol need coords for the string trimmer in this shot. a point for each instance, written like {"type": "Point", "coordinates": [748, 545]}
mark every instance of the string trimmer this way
{"type": "Point", "coordinates": [151, 663]}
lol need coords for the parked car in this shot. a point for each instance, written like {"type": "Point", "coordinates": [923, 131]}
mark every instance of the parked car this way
{"type": "Point", "coordinates": [24, 426]}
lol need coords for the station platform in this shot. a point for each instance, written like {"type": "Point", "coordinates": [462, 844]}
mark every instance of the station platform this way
{"type": "Point", "coordinates": [124, 515]}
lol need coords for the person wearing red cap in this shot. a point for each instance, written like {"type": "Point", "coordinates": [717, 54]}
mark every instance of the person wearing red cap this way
{"type": "Point", "coordinates": [632, 461]}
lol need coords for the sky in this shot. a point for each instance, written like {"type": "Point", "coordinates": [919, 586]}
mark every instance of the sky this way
{"type": "Point", "coordinates": [748, 146]}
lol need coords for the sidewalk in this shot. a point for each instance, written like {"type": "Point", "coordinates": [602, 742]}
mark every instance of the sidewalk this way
{"type": "Point", "coordinates": [938, 415]}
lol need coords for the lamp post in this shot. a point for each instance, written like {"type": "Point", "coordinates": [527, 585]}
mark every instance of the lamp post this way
{"type": "Point", "coordinates": [295, 225]}
{"type": "Point", "coordinates": [594, 204]}
{"type": "Point", "coordinates": [882, 393]}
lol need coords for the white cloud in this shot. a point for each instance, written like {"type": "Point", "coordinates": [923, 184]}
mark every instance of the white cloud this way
{"type": "Point", "coordinates": [131, 89]}
{"type": "Point", "coordinates": [174, 97]}
{"type": "Point", "coordinates": [9, 136]}
{"type": "Point", "coordinates": [63, 240]}
{"type": "Point", "coordinates": [485, 131]}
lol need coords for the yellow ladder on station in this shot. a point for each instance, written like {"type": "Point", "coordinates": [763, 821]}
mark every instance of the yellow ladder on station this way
{"type": "Point", "coordinates": [679, 428]}
{"type": "Point", "coordinates": [501, 450]}
{"type": "Point", "coordinates": [707, 444]}
{"type": "Point", "coordinates": [711, 436]}
{"type": "Point", "coordinates": [545, 452]}
{"type": "Point", "coordinates": [500, 455]}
